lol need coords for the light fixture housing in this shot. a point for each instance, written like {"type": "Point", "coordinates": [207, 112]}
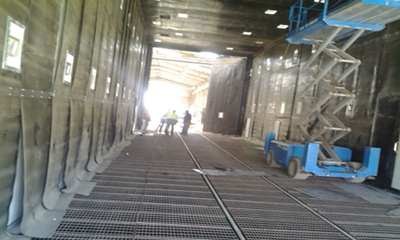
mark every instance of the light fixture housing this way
{"type": "Point", "coordinates": [271, 11]}
{"type": "Point", "coordinates": [179, 34]}
{"type": "Point", "coordinates": [229, 48]}
{"type": "Point", "coordinates": [247, 33]}
{"type": "Point", "coordinates": [282, 26]}
{"type": "Point", "coordinates": [183, 15]}
{"type": "Point", "coordinates": [259, 42]}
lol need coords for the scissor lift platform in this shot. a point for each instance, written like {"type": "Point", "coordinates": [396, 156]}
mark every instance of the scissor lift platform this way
{"type": "Point", "coordinates": [371, 15]}
{"type": "Point", "coordinates": [331, 29]}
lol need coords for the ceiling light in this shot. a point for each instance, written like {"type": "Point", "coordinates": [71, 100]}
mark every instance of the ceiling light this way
{"type": "Point", "coordinates": [247, 33]}
{"type": "Point", "coordinates": [259, 42]}
{"type": "Point", "coordinates": [229, 48]}
{"type": "Point", "coordinates": [320, 1]}
{"type": "Point", "coordinates": [282, 26]}
{"type": "Point", "coordinates": [271, 12]}
{"type": "Point", "coordinates": [183, 15]}
{"type": "Point", "coordinates": [157, 40]}
{"type": "Point", "coordinates": [156, 23]}
{"type": "Point", "coordinates": [179, 34]}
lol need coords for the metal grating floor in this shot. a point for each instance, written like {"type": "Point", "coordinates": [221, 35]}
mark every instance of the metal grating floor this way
{"type": "Point", "coordinates": [152, 192]}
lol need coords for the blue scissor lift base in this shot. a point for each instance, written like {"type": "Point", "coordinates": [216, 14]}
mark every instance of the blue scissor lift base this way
{"type": "Point", "coordinates": [284, 152]}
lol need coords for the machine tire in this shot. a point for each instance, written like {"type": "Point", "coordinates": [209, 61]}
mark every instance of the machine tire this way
{"type": "Point", "coordinates": [269, 158]}
{"type": "Point", "coordinates": [355, 180]}
{"type": "Point", "coordinates": [294, 169]}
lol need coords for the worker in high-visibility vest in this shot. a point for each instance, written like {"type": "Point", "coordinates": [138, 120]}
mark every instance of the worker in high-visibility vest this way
{"type": "Point", "coordinates": [171, 120]}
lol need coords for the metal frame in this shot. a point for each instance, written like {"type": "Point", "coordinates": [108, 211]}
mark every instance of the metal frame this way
{"type": "Point", "coordinates": [310, 153]}
{"type": "Point", "coordinates": [332, 26]}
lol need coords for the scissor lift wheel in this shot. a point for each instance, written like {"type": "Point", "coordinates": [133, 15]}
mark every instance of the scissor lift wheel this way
{"type": "Point", "coordinates": [269, 159]}
{"type": "Point", "coordinates": [294, 169]}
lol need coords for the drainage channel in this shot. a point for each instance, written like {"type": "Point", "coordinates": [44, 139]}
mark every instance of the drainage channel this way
{"type": "Point", "coordinates": [232, 222]}
{"type": "Point", "coordinates": [276, 186]}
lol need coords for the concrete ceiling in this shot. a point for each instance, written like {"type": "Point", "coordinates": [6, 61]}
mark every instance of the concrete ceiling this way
{"type": "Point", "coordinates": [215, 25]}
{"type": "Point", "coordinates": [187, 71]}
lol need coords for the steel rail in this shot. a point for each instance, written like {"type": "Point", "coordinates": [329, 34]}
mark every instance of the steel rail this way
{"type": "Point", "coordinates": [231, 220]}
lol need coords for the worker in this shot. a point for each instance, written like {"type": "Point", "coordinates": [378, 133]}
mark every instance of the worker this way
{"type": "Point", "coordinates": [186, 122]}
{"type": "Point", "coordinates": [171, 120]}
{"type": "Point", "coordinates": [145, 122]}
{"type": "Point", "coordinates": [162, 122]}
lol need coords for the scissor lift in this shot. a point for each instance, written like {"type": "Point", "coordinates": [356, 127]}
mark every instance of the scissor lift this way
{"type": "Point", "coordinates": [331, 29]}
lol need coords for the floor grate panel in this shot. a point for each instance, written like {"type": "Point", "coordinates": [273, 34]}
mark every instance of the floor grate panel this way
{"type": "Point", "coordinates": [256, 234]}
{"type": "Point", "coordinates": [179, 209]}
{"type": "Point", "coordinates": [175, 232]}
{"type": "Point", "coordinates": [97, 228]}
{"type": "Point", "coordinates": [108, 206]}
{"type": "Point", "coordinates": [152, 192]}
{"type": "Point", "coordinates": [179, 193]}
{"type": "Point", "coordinates": [110, 197]}
{"type": "Point", "coordinates": [119, 190]}
{"type": "Point", "coordinates": [291, 225]}
{"type": "Point", "coordinates": [179, 220]}
{"type": "Point", "coordinates": [180, 201]}
{"type": "Point", "coordinates": [79, 215]}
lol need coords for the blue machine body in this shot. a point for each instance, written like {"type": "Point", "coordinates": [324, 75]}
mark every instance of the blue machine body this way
{"type": "Point", "coordinates": [308, 153]}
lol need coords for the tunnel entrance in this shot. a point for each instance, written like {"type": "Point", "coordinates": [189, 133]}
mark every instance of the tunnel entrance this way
{"type": "Point", "coordinates": [207, 84]}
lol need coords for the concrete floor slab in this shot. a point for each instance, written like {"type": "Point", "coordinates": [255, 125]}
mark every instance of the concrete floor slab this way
{"type": "Point", "coordinates": [369, 193]}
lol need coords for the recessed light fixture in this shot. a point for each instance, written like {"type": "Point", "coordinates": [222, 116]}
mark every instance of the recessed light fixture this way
{"type": "Point", "coordinates": [320, 1]}
{"type": "Point", "coordinates": [229, 48]}
{"type": "Point", "coordinates": [179, 34]}
{"type": "Point", "coordinates": [282, 26]}
{"type": "Point", "coordinates": [259, 42]}
{"type": "Point", "coordinates": [271, 12]}
{"type": "Point", "coordinates": [247, 33]}
{"type": "Point", "coordinates": [157, 40]}
{"type": "Point", "coordinates": [157, 23]}
{"type": "Point", "coordinates": [183, 15]}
